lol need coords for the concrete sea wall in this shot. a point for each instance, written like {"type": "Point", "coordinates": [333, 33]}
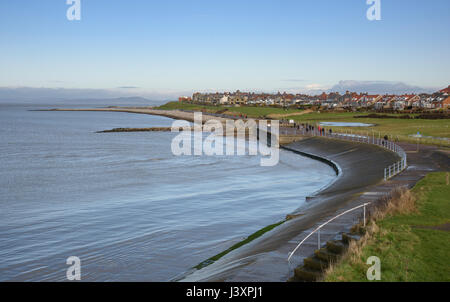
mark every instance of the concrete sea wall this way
{"type": "Point", "coordinates": [360, 166]}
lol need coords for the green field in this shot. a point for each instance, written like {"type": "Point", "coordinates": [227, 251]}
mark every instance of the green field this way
{"type": "Point", "coordinates": [411, 247]}
{"type": "Point", "coordinates": [400, 129]}
{"type": "Point", "coordinates": [396, 129]}
{"type": "Point", "coordinates": [254, 112]}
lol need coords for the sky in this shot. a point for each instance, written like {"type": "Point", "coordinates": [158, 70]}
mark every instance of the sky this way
{"type": "Point", "coordinates": [170, 47]}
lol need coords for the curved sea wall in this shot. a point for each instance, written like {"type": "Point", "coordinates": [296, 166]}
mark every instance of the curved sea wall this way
{"type": "Point", "coordinates": [329, 162]}
{"type": "Point", "coordinates": [359, 167]}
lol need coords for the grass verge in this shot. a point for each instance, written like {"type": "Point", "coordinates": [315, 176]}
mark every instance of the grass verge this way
{"type": "Point", "coordinates": [396, 129]}
{"type": "Point", "coordinates": [251, 111]}
{"type": "Point", "coordinates": [238, 245]}
{"type": "Point", "coordinates": [410, 234]}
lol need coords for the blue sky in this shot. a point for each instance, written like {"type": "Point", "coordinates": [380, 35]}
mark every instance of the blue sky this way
{"type": "Point", "coordinates": [180, 46]}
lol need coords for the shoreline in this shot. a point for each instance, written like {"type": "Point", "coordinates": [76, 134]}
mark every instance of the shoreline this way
{"type": "Point", "coordinates": [256, 258]}
{"type": "Point", "coordinates": [325, 160]}
{"type": "Point", "coordinates": [350, 162]}
{"type": "Point", "coordinates": [330, 196]}
{"type": "Point", "coordinates": [173, 114]}
{"type": "Point", "coordinates": [189, 117]}
{"type": "Point", "coordinates": [265, 259]}
{"type": "Point", "coordinates": [267, 228]}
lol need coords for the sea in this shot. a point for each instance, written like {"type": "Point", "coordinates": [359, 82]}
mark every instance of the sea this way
{"type": "Point", "coordinates": [122, 203]}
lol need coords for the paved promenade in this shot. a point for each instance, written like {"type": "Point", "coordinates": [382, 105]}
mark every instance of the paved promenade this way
{"type": "Point", "coordinates": [361, 172]}
{"type": "Point", "coordinates": [361, 180]}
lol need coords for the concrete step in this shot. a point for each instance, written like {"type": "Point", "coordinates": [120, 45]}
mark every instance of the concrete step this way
{"type": "Point", "coordinates": [315, 263]}
{"type": "Point", "coordinates": [347, 238]}
{"type": "Point", "coordinates": [337, 246]}
{"type": "Point", "coordinates": [325, 255]}
{"type": "Point", "coordinates": [307, 274]}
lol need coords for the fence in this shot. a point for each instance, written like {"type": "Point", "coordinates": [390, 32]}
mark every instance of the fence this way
{"type": "Point", "coordinates": [389, 172]}
{"type": "Point", "coordinates": [317, 230]}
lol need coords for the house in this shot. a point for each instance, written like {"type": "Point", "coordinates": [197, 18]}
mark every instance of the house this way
{"type": "Point", "coordinates": [372, 99]}
{"type": "Point", "coordinates": [224, 100]}
{"type": "Point", "coordinates": [446, 102]}
{"type": "Point", "coordinates": [184, 99]}
{"type": "Point", "coordinates": [441, 103]}
{"type": "Point", "coordinates": [366, 100]}
{"type": "Point", "coordinates": [445, 91]}
{"type": "Point", "coordinates": [399, 105]}
{"type": "Point", "coordinates": [270, 101]}
{"type": "Point", "coordinates": [417, 104]}
{"type": "Point", "coordinates": [235, 100]}
{"type": "Point", "coordinates": [409, 99]}
{"type": "Point", "coordinates": [379, 105]}
{"type": "Point", "coordinates": [323, 97]}
{"type": "Point", "coordinates": [350, 100]}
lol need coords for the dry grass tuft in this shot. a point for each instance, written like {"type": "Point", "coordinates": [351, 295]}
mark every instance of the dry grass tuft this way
{"type": "Point", "coordinates": [399, 201]}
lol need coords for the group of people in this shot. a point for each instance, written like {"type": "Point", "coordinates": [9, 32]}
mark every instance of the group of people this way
{"type": "Point", "coordinates": [311, 128]}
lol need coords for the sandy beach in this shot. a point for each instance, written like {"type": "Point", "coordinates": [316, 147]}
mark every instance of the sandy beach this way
{"type": "Point", "coordinates": [174, 114]}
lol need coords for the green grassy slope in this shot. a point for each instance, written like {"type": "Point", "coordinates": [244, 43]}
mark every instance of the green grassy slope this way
{"type": "Point", "coordinates": [413, 247]}
{"type": "Point", "coordinates": [400, 129]}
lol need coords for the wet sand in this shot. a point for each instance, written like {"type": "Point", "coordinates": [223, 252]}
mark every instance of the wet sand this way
{"type": "Point", "coordinates": [151, 129]}
{"type": "Point", "coordinates": [175, 114]}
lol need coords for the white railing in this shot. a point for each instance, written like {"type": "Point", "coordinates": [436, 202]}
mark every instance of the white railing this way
{"type": "Point", "coordinates": [324, 224]}
{"type": "Point", "coordinates": [389, 172]}
{"type": "Point", "coordinates": [395, 169]}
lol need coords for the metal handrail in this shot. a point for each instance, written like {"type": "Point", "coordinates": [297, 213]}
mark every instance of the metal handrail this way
{"type": "Point", "coordinates": [324, 224]}
{"type": "Point", "coordinates": [389, 171]}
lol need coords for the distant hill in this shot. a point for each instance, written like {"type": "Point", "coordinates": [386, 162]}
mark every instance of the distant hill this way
{"type": "Point", "coordinates": [379, 87]}
{"type": "Point", "coordinates": [64, 97]}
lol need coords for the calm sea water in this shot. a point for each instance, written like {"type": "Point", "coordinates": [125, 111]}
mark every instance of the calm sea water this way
{"type": "Point", "coordinates": [122, 203]}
